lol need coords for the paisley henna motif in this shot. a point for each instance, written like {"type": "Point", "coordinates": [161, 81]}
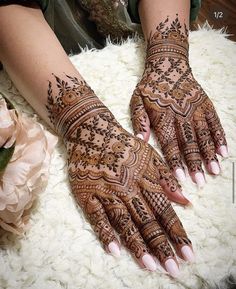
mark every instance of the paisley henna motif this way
{"type": "Point", "coordinates": [180, 112]}
{"type": "Point", "coordinates": [116, 178]}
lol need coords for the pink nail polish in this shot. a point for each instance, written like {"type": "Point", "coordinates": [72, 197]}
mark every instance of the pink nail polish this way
{"type": "Point", "coordinates": [172, 268]}
{"type": "Point", "coordinates": [188, 254]}
{"type": "Point", "coordinates": [200, 180]}
{"type": "Point", "coordinates": [224, 151]}
{"type": "Point", "coordinates": [180, 175]}
{"type": "Point", "coordinates": [114, 249]}
{"type": "Point", "coordinates": [140, 135]}
{"type": "Point", "coordinates": [149, 262]}
{"type": "Point", "coordinates": [214, 167]}
{"type": "Point", "coordinates": [181, 195]}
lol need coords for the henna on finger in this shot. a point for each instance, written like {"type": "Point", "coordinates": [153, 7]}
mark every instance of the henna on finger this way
{"type": "Point", "coordinates": [121, 220]}
{"type": "Point", "coordinates": [165, 132]}
{"type": "Point", "coordinates": [140, 119]}
{"type": "Point", "coordinates": [158, 175]}
{"type": "Point", "coordinates": [164, 213]}
{"type": "Point", "coordinates": [215, 126]}
{"type": "Point", "coordinates": [150, 230]}
{"type": "Point", "coordinates": [205, 143]}
{"type": "Point", "coordinates": [189, 144]}
{"type": "Point", "coordinates": [98, 219]}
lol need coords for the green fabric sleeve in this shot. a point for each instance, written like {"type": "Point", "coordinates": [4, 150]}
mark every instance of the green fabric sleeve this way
{"type": "Point", "coordinates": [133, 10]}
{"type": "Point", "coordinates": [43, 4]}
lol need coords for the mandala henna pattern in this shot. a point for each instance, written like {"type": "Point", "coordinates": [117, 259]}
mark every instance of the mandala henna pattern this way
{"type": "Point", "coordinates": [179, 110]}
{"type": "Point", "coordinates": [115, 177]}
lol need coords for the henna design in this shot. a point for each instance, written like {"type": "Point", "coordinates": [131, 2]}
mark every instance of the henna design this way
{"type": "Point", "coordinates": [107, 169]}
{"type": "Point", "coordinates": [176, 105]}
{"type": "Point", "coordinates": [139, 117]}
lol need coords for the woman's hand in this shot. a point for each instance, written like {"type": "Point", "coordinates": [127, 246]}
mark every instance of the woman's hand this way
{"type": "Point", "coordinates": [172, 102]}
{"type": "Point", "coordinates": [119, 181]}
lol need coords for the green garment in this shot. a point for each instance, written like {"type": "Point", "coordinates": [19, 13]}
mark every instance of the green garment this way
{"type": "Point", "coordinates": [133, 9]}
{"type": "Point", "coordinates": [86, 23]}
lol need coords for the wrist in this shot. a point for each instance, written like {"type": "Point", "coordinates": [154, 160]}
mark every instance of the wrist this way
{"type": "Point", "coordinates": [167, 47]}
{"type": "Point", "coordinates": [170, 39]}
{"type": "Point", "coordinates": [74, 102]}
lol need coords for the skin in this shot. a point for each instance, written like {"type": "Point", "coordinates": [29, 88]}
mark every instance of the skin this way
{"type": "Point", "coordinates": [193, 137]}
{"type": "Point", "coordinates": [37, 80]}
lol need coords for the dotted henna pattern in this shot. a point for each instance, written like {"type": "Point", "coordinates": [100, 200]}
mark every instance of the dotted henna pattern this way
{"type": "Point", "coordinates": [168, 96]}
{"type": "Point", "coordinates": [116, 178]}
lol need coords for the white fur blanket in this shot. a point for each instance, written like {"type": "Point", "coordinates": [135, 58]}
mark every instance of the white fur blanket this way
{"type": "Point", "coordinates": [61, 250]}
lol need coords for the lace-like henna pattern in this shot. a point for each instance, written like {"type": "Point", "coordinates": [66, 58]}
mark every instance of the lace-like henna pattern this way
{"type": "Point", "coordinates": [109, 170]}
{"type": "Point", "coordinates": [178, 109]}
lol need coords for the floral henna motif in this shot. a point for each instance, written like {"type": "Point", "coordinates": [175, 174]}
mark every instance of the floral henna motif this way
{"type": "Point", "coordinates": [140, 118]}
{"type": "Point", "coordinates": [176, 105]}
{"type": "Point", "coordinates": [108, 169]}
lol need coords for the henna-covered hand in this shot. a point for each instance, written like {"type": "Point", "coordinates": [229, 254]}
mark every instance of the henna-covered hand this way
{"type": "Point", "coordinates": [172, 102]}
{"type": "Point", "coordinates": [118, 180]}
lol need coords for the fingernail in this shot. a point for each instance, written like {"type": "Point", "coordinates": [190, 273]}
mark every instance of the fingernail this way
{"type": "Point", "coordinates": [199, 178]}
{"type": "Point", "coordinates": [182, 196]}
{"type": "Point", "coordinates": [149, 262]}
{"type": "Point", "coordinates": [224, 151]}
{"type": "Point", "coordinates": [188, 254]}
{"type": "Point", "coordinates": [172, 268]}
{"type": "Point", "coordinates": [114, 249]}
{"type": "Point", "coordinates": [189, 205]}
{"type": "Point", "coordinates": [140, 135]}
{"type": "Point", "coordinates": [214, 167]}
{"type": "Point", "coordinates": [180, 175]}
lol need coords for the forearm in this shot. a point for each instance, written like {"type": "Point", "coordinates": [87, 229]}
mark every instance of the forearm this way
{"type": "Point", "coordinates": [152, 15]}
{"type": "Point", "coordinates": [35, 58]}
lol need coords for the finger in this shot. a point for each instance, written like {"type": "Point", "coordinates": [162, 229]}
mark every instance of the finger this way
{"type": "Point", "coordinates": [165, 214]}
{"type": "Point", "coordinates": [157, 173]}
{"type": "Point", "coordinates": [191, 152]}
{"type": "Point", "coordinates": [97, 217]}
{"type": "Point", "coordinates": [152, 233]}
{"type": "Point", "coordinates": [139, 117]}
{"type": "Point", "coordinates": [164, 129]}
{"type": "Point", "coordinates": [206, 144]}
{"type": "Point", "coordinates": [122, 222]}
{"type": "Point", "coordinates": [216, 129]}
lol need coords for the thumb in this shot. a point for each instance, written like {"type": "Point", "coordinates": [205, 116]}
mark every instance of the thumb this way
{"type": "Point", "coordinates": [139, 116]}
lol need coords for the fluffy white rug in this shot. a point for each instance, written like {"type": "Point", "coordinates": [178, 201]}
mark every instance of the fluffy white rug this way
{"type": "Point", "coordinates": [61, 250]}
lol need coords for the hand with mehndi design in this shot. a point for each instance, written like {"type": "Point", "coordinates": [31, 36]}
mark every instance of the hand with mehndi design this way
{"type": "Point", "coordinates": [172, 102]}
{"type": "Point", "coordinates": [119, 181]}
